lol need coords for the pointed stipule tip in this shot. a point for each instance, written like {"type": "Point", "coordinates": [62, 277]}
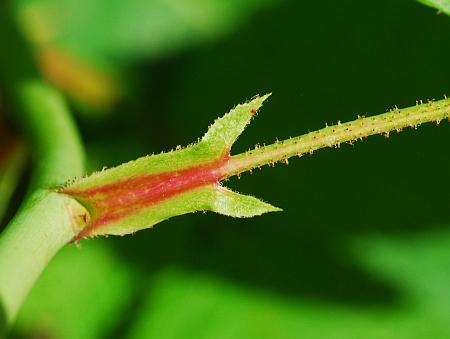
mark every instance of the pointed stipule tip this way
{"type": "Point", "coordinates": [265, 97]}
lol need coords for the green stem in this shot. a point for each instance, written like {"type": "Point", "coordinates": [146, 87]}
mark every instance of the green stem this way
{"type": "Point", "coordinates": [55, 144]}
{"type": "Point", "coordinates": [333, 136]}
{"type": "Point", "coordinates": [46, 221]}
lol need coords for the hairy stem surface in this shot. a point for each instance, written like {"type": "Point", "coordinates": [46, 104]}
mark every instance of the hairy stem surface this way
{"type": "Point", "coordinates": [333, 136]}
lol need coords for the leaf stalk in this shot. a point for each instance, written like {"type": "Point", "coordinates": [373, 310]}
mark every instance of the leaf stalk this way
{"type": "Point", "coordinates": [334, 136]}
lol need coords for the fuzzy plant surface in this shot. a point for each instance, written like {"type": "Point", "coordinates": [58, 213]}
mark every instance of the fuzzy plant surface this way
{"type": "Point", "coordinates": [143, 192]}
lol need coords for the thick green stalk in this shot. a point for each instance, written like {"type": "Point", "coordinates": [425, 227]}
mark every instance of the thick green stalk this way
{"type": "Point", "coordinates": [333, 136]}
{"type": "Point", "coordinates": [47, 220]}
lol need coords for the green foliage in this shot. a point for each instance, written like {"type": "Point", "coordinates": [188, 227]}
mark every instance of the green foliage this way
{"type": "Point", "coordinates": [441, 5]}
{"type": "Point", "coordinates": [85, 47]}
{"type": "Point", "coordinates": [131, 29]}
{"type": "Point", "coordinates": [208, 307]}
{"type": "Point", "coordinates": [93, 299]}
{"type": "Point", "coordinates": [177, 302]}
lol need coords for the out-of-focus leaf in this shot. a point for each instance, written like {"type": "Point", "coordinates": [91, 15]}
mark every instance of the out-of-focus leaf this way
{"type": "Point", "coordinates": [131, 29]}
{"type": "Point", "coordinates": [88, 83]}
{"type": "Point", "coordinates": [82, 294]}
{"type": "Point", "coordinates": [441, 5]}
{"type": "Point", "coordinates": [194, 305]}
{"type": "Point", "coordinates": [419, 265]}
{"type": "Point", "coordinates": [80, 43]}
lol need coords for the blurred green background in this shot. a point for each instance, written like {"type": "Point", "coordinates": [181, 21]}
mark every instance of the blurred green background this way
{"type": "Point", "coordinates": [362, 249]}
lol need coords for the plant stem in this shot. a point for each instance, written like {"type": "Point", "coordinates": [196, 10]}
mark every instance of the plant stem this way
{"type": "Point", "coordinates": [333, 136]}
{"type": "Point", "coordinates": [47, 220]}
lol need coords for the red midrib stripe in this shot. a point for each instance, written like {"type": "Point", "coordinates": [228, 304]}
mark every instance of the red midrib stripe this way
{"type": "Point", "coordinates": [112, 202]}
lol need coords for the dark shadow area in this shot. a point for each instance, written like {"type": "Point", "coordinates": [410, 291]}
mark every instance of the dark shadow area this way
{"type": "Point", "coordinates": [2, 322]}
{"type": "Point", "coordinates": [10, 144]}
{"type": "Point", "coordinates": [288, 260]}
{"type": "Point", "coordinates": [17, 197]}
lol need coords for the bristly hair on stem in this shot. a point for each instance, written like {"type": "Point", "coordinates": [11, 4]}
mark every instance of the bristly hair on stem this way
{"type": "Point", "coordinates": [333, 136]}
{"type": "Point", "coordinates": [143, 192]}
